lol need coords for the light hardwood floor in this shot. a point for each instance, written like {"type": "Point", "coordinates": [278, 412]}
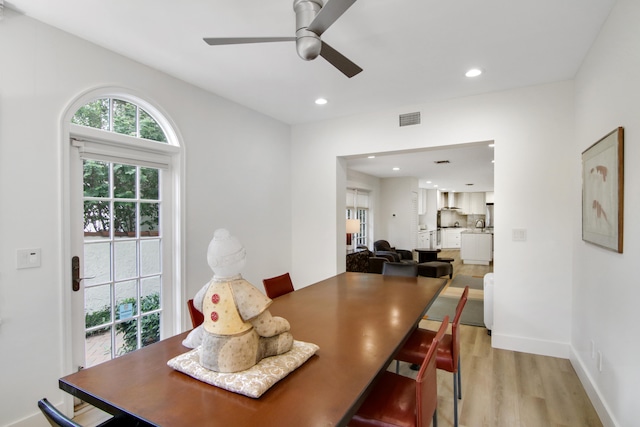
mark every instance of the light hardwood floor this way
{"type": "Point", "coordinates": [502, 388]}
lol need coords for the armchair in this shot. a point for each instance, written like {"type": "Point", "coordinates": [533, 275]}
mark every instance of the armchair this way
{"type": "Point", "coordinates": [382, 247]}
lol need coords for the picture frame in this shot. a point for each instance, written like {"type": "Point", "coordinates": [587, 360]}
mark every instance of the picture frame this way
{"type": "Point", "coordinates": [603, 191]}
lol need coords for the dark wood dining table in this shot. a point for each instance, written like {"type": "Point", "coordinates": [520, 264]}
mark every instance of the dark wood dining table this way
{"type": "Point", "coordinates": [359, 321]}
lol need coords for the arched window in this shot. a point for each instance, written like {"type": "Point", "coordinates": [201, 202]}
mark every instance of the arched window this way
{"type": "Point", "coordinates": [119, 116]}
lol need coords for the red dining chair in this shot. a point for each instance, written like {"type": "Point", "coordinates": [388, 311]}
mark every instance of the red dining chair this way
{"type": "Point", "coordinates": [279, 285]}
{"type": "Point", "coordinates": [397, 400]}
{"type": "Point", "coordinates": [448, 355]}
{"type": "Point", "coordinates": [196, 317]}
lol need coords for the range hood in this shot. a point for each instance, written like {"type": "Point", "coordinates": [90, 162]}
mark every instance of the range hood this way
{"type": "Point", "coordinates": [449, 201]}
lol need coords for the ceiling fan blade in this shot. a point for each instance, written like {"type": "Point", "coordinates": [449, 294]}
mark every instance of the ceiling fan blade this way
{"type": "Point", "coordinates": [243, 40]}
{"type": "Point", "coordinates": [339, 61]}
{"type": "Point", "coordinates": [329, 13]}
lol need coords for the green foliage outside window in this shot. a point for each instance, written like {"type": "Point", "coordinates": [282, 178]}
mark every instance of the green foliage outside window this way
{"type": "Point", "coordinates": [126, 182]}
{"type": "Point", "coordinates": [150, 323]}
{"type": "Point", "coordinates": [128, 119]}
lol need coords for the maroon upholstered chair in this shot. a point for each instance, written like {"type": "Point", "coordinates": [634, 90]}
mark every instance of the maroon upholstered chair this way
{"type": "Point", "coordinates": [196, 317]}
{"type": "Point", "coordinates": [279, 285]}
{"type": "Point", "coordinates": [397, 400]}
{"type": "Point", "coordinates": [448, 355]}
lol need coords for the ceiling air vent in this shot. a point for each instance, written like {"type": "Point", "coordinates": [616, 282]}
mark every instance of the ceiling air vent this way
{"type": "Point", "coordinates": [409, 119]}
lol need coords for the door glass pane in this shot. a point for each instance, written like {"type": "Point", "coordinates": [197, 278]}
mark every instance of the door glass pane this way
{"type": "Point", "coordinates": [126, 337]}
{"type": "Point", "coordinates": [150, 329]}
{"type": "Point", "coordinates": [124, 219]}
{"type": "Point", "coordinates": [124, 181]}
{"type": "Point", "coordinates": [149, 219]}
{"type": "Point", "coordinates": [96, 179]}
{"type": "Point", "coordinates": [97, 262]}
{"type": "Point", "coordinates": [150, 293]}
{"type": "Point", "coordinates": [126, 259]}
{"type": "Point", "coordinates": [149, 183]}
{"type": "Point", "coordinates": [97, 346]}
{"type": "Point", "coordinates": [97, 305]}
{"type": "Point", "coordinates": [97, 218]}
{"type": "Point", "coordinates": [150, 256]}
{"type": "Point", "coordinates": [126, 306]}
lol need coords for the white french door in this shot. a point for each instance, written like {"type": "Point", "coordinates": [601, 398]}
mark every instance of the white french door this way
{"type": "Point", "coordinates": [123, 294]}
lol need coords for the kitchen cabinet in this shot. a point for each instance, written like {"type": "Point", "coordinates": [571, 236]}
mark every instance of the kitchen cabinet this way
{"type": "Point", "coordinates": [476, 248]}
{"type": "Point", "coordinates": [488, 197]}
{"type": "Point", "coordinates": [422, 201]}
{"type": "Point", "coordinates": [424, 239]}
{"type": "Point", "coordinates": [451, 238]}
{"type": "Point", "coordinates": [441, 197]}
{"type": "Point", "coordinates": [477, 205]}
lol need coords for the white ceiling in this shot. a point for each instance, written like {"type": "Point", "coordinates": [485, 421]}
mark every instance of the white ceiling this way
{"type": "Point", "coordinates": [412, 51]}
{"type": "Point", "coordinates": [468, 164]}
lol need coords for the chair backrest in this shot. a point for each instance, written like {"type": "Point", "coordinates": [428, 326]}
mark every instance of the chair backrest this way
{"type": "Point", "coordinates": [279, 285]}
{"type": "Point", "coordinates": [381, 245]}
{"type": "Point", "coordinates": [399, 269]}
{"type": "Point", "coordinates": [55, 417]}
{"type": "Point", "coordinates": [427, 380]}
{"type": "Point", "coordinates": [196, 317]}
{"type": "Point", "coordinates": [455, 333]}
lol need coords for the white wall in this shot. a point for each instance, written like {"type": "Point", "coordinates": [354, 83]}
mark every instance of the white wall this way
{"type": "Point", "coordinates": [236, 170]}
{"type": "Point", "coordinates": [605, 283]}
{"type": "Point", "coordinates": [397, 216]}
{"type": "Point", "coordinates": [533, 131]}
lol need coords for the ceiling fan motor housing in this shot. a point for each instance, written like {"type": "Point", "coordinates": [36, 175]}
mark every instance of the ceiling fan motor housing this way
{"type": "Point", "coordinates": [308, 43]}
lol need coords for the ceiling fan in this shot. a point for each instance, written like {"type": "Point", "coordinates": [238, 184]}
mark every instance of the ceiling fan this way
{"type": "Point", "coordinates": [312, 19]}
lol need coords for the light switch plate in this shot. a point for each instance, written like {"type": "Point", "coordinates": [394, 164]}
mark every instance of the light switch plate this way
{"type": "Point", "coordinates": [519, 235]}
{"type": "Point", "coordinates": [28, 258]}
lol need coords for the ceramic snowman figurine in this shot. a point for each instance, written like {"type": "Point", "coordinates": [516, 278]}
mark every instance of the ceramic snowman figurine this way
{"type": "Point", "coordinates": [238, 329]}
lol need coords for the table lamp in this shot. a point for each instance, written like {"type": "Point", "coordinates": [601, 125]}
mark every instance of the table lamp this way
{"type": "Point", "coordinates": [353, 226]}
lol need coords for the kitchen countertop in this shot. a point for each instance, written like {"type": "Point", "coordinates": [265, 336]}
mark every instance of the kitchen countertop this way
{"type": "Point", "coordinates": [477, 231]}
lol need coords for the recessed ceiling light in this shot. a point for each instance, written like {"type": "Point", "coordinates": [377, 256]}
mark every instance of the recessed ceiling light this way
{"type": "Point", "coordinates": [435, 185]}
{"type": "Point", "coordinates": [474, 72]}
{"type": "Point", "coordinates": [428, 182]}
{"type": "Point", "coordinates": [492, 145]}
{"type": "Point", "coordinates": [321, 101]}
{"type": "Point", "coordinates": [371, 157]}
{"type": "Point", "coordinates": [396, 169]}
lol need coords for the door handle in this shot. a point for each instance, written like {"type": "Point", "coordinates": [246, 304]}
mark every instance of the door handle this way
{"type": "Point", "coordinates": [75, 274]}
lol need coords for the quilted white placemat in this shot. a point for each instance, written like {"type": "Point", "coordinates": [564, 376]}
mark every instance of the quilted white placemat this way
{"type": "Point", "coordinates": [254, 381]}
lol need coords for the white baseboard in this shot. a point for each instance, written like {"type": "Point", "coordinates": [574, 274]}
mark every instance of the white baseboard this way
{"type": "Point", "coordinates": [35, 420]}
{"type": "Point", "coordinates": [528, 345]}
{"type": "Point", "coordinates": [592, 391]}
